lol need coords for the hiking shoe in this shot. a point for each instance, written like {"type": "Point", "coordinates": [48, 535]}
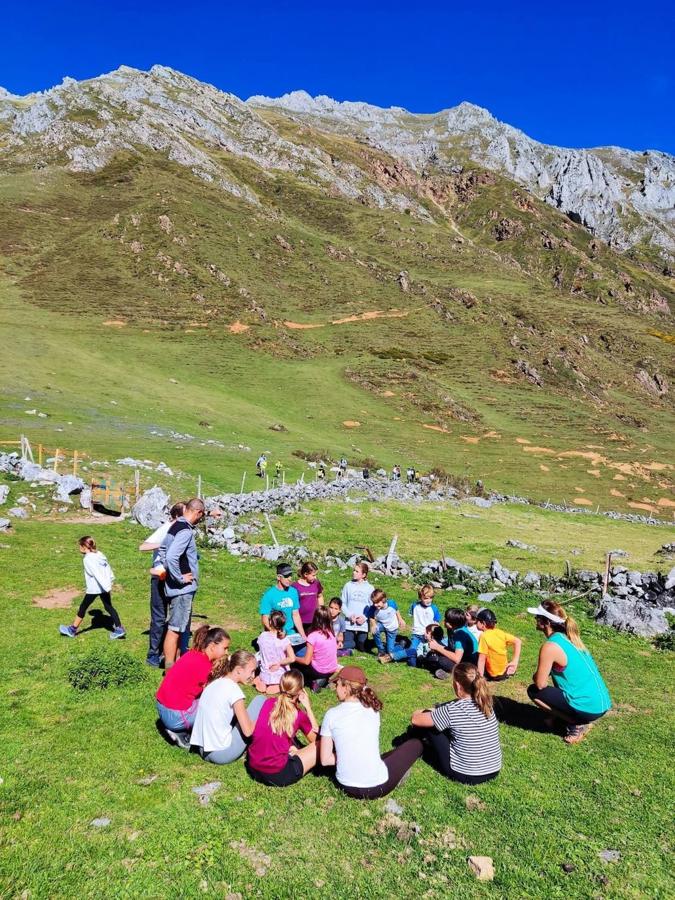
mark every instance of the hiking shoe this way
{"type": "Point", "coordinates": [345, 652]}
{"type": "Point", "coordinates": [179, 738]}
{"type": "Point", "coordinates": [154, 661]}
{"type": "Point", "coordinates": [68, 630]}
{"type": "Point", "coordinates": [384, 659]}
{"type": "Point", "coordinates": [574, 734]}
{"type": "Point", "coordinates": [441, 674]}
{"type": "Point", "coordinates": [117, 633]}
{"type": "Point", "coordinates": [319, 684]}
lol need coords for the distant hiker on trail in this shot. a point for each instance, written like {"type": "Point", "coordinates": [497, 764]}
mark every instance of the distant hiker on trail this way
{"type": "Point", "coordinates": [355, 602]}
{"type": "Point", "coordinates": [366, 473]}
{"type": "Point", "coordinates": [284, 597]}
{"type": "Point", "coordinates": [493, 661]}
{"type": "Point", "coordinates": [181, 687]}
{"type": "Point", "coordinates": [98, 579]}
{"type": "Point", "coordinates": [278, 470]}
{"type": "Point", "coordinates": [310, 592]}
{"type": "Point", "coordinates": [182, 575]}
{"type": "Point", "coordinates": [462, 735]}
{"type": "Point", "coordinates": [321, 472]}
{"type": "Point", "coordinates": [579, 696]}
{"type": "Point", "coordinates": [350, 740]}
{"type": "Point", "coordinates": [410, 475]}
{"type": "Point", "coordinates": [396, 473]}
{"type": "Point", "coordinates": [261, 466]}
{"type": "Point", "coordinates": [158, 601]}
{"type": "Point", "coordinates": [342, 467]}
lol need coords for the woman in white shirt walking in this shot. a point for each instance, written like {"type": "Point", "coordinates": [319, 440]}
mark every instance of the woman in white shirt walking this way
{"type": "Point", "coordinates": [98, 579]}
{"type": "Point", "coordinates": [223, 721]}
{"type": "Point", "coordinates": [350, 740]}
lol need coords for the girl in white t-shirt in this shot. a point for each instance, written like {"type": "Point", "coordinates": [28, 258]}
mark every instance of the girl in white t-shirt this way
{"type": "Point", "coordinates": [223, 720]}
{"type": "Point", "coordinates": [98, 580]}
{"type": "Point", "coordinates": [350, 740]}
{"type": "Point", "coordinates": [276, 654]}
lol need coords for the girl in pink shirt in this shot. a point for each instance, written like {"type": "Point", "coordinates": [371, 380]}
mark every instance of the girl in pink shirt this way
{"type": "Point", "coordinates": [273, 757]}
{"type": "Point", "coordinates": [183, 683]}
{"type": "Point", "coordinates": [320, 659]}
{"type": "Point", "coordinates": [276, 654]}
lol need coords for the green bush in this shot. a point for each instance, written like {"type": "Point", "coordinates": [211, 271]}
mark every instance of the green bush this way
{"type": "Point", "coordinates": [666, 641]}
{"type": "Point", "coordinates": [105, 667]}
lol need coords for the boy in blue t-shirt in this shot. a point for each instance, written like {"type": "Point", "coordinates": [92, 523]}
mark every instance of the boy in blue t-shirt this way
{"type": "Point", "coordinates": [462, 645]}
{"type": "Point", "coordinates": [285, 598]}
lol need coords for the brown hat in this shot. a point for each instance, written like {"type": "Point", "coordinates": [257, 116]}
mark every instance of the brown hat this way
{"type": "Point", "coordinates": [350, 673]}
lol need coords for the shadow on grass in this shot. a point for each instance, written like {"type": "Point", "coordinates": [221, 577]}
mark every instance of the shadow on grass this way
{"type": "Point", "coordinates": [99, 619]}
{"type": "Point", "coordinates": [520, 715]}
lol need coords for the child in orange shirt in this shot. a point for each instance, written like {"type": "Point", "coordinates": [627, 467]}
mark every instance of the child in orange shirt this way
{"type": "Point", "coordinates": [493, 661]}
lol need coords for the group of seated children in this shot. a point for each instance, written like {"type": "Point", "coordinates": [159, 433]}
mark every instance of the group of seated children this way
{"type": "Point", "coordinates": [201, 704]}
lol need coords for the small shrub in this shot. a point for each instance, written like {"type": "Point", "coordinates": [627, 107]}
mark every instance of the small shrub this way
{"type": "Point", "coordinates": [666, 641]}
{"type": "Point", "coordinates": [105, 667]}
{"type": "Point", "coordinates": [313, 455]}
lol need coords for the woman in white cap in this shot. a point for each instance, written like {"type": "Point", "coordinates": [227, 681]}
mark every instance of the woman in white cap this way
{"type": "Point", "coordinates": [578, 696]}
{"type": "Point", "coordinates": [350, 740]}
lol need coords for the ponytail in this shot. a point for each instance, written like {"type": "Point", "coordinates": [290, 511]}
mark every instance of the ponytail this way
{"type": "Point", "coordinates": [285, 712]}
{"type": "Point", "coordinates": [364, 694]}
{"type": "Point", "coordinates": [569, 627]}
{"type": "Point", "coordinates": [467, 676]}
{"type": "Point", "coordinates": [278, 622]}
{"type": "Point", "coordinates": [206, 635]}
{"type": "Point", "coordinates": [228, 664]}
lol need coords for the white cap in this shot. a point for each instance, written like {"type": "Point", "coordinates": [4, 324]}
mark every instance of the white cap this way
{"type": "Point", "coordinates": [540, 611]}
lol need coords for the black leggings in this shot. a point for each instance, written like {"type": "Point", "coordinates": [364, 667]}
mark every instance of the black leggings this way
{"type": "Point", "coordinates": [439, 745]}
{"type": "Point", "coordinates": [398, 762]}
{"type": "Point", "coordinates": [555, 699]}
{"type": "Point", "coordinates": [310, 674]}
{"type": "Point", "coordinates": [107, 605]}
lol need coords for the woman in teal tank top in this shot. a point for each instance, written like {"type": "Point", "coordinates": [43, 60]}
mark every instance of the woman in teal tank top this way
{"type": "Point", "coordinates": [579, 696]}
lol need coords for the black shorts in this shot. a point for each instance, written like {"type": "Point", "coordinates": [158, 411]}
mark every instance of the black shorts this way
{"type": "Point", "coordinates": [291, 772]}
{"type": "Point", "coordinates": [554, 697]}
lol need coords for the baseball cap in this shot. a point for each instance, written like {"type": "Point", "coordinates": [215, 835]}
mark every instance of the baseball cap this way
{"type": "Point", "coordinates": [350, 673]}
{"type": "Point", "coordinates": [545, 614]}
{"type": "Point", "coordinates": [284, 570]}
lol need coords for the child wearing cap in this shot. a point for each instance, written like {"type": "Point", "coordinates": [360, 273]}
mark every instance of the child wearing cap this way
{"type": "Point", "coordinates": [350, 740]}
{"type": "Point", "coordinates": [284, 597]}
{"type": "Point", "coordinates": [579, 696]}
{"type": "Point", "coordinates": [493, 661]}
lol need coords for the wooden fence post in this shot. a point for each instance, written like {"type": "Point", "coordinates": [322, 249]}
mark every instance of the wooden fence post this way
{"type": "Point", "coordinates": [199, 486]}
{"type": "Point", "coordinates": [56, 459]}
{"type": "Point", "coordinates": [39, 454]}
{"type": "Point", "coordinates": [137, 484]}
{"type": "Point", "coordinates": [74, 462]}
{"type": "Point", "coordinates": [243, 479]}
{"type": "Point", "coordinates": [605, 580]}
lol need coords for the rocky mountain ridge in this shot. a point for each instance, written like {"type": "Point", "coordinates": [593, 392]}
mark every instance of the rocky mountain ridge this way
{"type": "Point", "coordinates": [603, 188]}
{"type": "Point", "coordinates": [625, 198]}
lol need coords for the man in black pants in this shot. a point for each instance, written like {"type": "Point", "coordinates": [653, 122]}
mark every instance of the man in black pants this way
{"type": "Point", "coordinates": [158, 601]}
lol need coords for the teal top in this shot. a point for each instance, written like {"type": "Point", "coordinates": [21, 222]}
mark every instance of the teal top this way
{"type": "Point", "coordinates": [580, 681]}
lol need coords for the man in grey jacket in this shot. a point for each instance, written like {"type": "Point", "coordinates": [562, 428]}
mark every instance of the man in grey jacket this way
{"type": "Point", "coordinates": [182, 575]}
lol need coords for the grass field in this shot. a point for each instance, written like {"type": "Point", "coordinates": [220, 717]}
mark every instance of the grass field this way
{"type": "Point", "coordinates": [69, 758]}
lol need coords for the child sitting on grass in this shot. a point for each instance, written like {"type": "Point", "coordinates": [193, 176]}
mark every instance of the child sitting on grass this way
{"type": "Point", "coordinates": [276, 654]}
{"type": "Point", "coordinates": [338, 621]}
{"type": "Point", "coordinates": [384, 619]}
{"type": "Point", "coordinates": [98, 579]}
{"type": "Point", "coordinates": [470, 614]}
{"type": "Point", "coordinates": [460, 645]}
{"type": "Point", "coordinates": [493, 661]}
{"type": "Point", "coordinates": [179, 692]}
{"type": "Point", "coordinates": [320, 660]}
{"type": "Point", "coordinates": [424, 613]}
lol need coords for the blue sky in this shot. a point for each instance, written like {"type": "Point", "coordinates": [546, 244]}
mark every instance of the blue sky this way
{"type": "Point", "coordinates": [574, 74]}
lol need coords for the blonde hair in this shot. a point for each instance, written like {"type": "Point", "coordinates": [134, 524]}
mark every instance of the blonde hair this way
{"type": "Point", "coordinates": [569, 627]}
{"type": "Point", "coordinates": [467, 676]}
{"type": "Point", "coordinates": [285, 711]}
{"type": "Point", "coordinates": [427, 590]}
